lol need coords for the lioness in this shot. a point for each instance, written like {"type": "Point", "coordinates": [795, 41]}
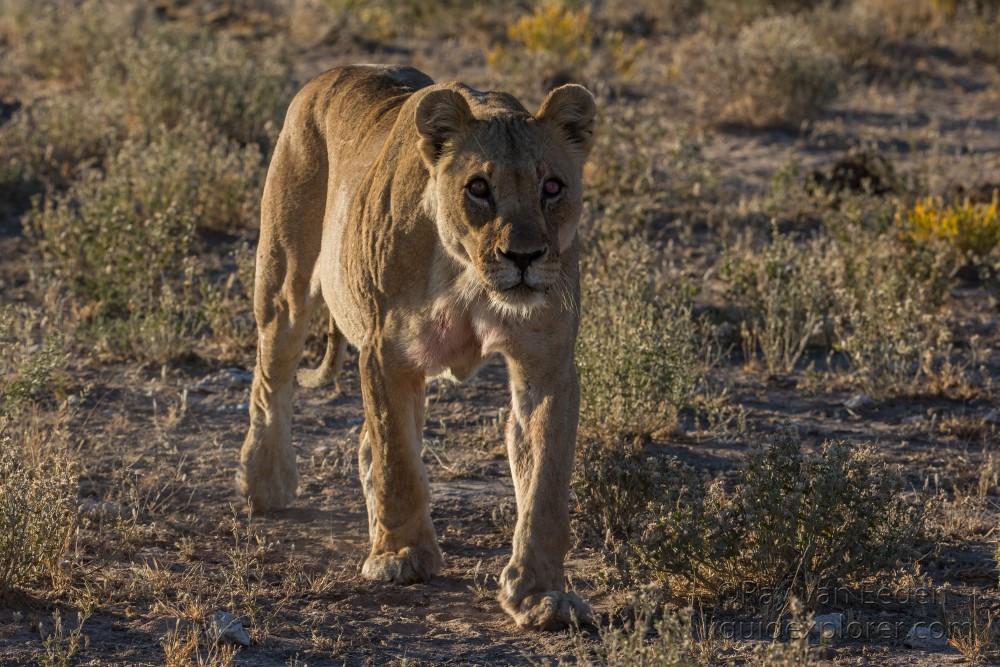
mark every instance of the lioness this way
{"type": "Point", "coordinates": [439, 225]}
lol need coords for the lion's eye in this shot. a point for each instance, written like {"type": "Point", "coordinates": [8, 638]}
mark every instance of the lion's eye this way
{"type": "Point", "coordinates": [551, 187]}
{"type": "Point", "coordinates": [478, 188]}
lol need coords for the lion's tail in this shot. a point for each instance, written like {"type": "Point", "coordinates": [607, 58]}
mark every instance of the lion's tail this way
{"type": "Point", "coordinates": [333, 359]}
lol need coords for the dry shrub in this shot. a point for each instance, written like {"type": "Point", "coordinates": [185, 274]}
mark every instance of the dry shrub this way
{"type": "Point", "coordinates": [554, 35]}
{"type": "Point", "coordinates": [161, 74]}
{"type": "Point", "coordinates": [774, 73]}
{"type": "Point", "coordinates": [384, 20]}
{"type": "Point", "coordinates": [47, 144]}
{"type": "Point", "coordinates": [643, 167]}
{"type": "Point", "coordinates": [613, 488]}
{"type": "Point", "coordinates": [792, 522]}
{"type": "Point", "coordinates": [861, 291]}
{"type": "Point", "coordinates": [637, 353]}
{"type": "Point", "coordinates": [38, 490]}
{"type": "Point", "coordinates": [226, 306]}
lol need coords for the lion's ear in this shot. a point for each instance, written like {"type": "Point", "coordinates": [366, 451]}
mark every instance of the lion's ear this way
{"type": "Point", "coordinates": [441, 114]}
{"type": "Point", "coordinates": [572, 109]}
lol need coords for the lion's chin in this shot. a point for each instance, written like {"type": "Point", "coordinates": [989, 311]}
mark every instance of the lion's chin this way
{"type": "Point", "coordinates": [518, 302]}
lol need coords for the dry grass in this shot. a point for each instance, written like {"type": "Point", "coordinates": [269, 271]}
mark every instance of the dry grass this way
{"type": "Point", "coordinates": [132, 149]}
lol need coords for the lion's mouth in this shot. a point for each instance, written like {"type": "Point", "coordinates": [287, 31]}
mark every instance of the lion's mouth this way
{"type": "Point", "coordinates": [521, 289]}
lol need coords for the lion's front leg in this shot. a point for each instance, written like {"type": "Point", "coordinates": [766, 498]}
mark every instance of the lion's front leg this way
{"type": "Point", "coordinates": [541, 441]}
{"type": "Point", "coordinates": [404, 547]}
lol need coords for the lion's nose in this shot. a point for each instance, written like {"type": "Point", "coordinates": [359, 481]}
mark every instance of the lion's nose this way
{"type": "Point", "coordinates": [522, 260]}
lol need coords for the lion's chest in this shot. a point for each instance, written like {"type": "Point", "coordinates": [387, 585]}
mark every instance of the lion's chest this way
{"type": "Point", "coordinates": [454, 341]}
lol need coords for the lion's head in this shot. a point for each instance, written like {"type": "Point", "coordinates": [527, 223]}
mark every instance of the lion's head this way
{"type": "Point", "coordinates": [505, 186]}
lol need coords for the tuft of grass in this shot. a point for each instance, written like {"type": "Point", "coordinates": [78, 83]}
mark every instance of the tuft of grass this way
{"type": "Point", "coordinates": [649, 638]}
{"type": "Point", "coordinates": [971, 632]}
{"type": "Point", "coordinates": [791, 523]}
{"type": "Point", "coordinates": [773, 74]}
{"type": "Point", "coordinates": [61, 646]}
{"type": "Point", "coordinates": [654, 635]}
{"type": "Point", "coordinates": [190, 644]}
{"type": "Point", "coordinates": [637, 353]}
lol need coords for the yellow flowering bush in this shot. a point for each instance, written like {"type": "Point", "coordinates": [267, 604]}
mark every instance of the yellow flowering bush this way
{"type": "Point", "coordinates": [970, 227]}
{"type": "Point", "coordinates": [558, 37]}
{"type": "Point", "coordinates": [555, 30]}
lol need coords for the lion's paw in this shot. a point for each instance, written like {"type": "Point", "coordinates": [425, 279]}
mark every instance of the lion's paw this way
{"type": "Point", "coordinates": [551, 610]}
{"type": "Point", "coordinates": [268, 489]}
{"type": "Point", "coordinates": [406, 566]}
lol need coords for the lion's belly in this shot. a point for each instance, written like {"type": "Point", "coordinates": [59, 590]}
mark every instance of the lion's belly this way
{"type": "Point", "coordinates": [329, 273]}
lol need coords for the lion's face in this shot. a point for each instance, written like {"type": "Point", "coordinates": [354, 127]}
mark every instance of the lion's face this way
{"type": "Point", "coordinates": [506, 190]}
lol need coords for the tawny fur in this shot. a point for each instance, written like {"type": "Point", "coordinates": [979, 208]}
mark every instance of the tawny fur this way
{"type": "Point", "coordinates": [367, 208]}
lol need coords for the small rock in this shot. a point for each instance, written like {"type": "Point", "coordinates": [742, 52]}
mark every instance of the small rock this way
{"type": "Point", "coordinates": [227, 378]}
{"type": "Point", "coordinates": [228, 628]}
{"type": "Point", "coordinates": [101, 509]}
{"type": "Point", "coordinates": [926, 638]}
{"type": "Point", "coordinates": [858, 402]}
{"type": "Point", "coordinates": [826, 627]}
{"type": "Point", "coordinates": [236, 377]}
{"type": "Point", "coordinates": [913, 419]}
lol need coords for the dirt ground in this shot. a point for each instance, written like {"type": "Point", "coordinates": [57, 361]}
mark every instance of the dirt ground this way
{"type": "Point", "coordinates": [163, 442]}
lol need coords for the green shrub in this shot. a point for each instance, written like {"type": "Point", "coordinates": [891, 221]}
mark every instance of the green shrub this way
{"type": "Point", "coordinates": [637, 353]}
{"type": "Point", "coordinates": [65, 40]}
{"type": "Point", "coordinates": [165, 75]}
{"type": "Point", "coordinates": [773, 74]}
{"type": "Point", "coordinates": [887, 312]}
{"type": "Point", "coordinates": [27, 372]}
{"type": "Point", "coordinates": [786, 295]}
{"type": "Point", "coordinates": [792, 522]}
{"type": "Point", "coordinates": [124, 239]}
